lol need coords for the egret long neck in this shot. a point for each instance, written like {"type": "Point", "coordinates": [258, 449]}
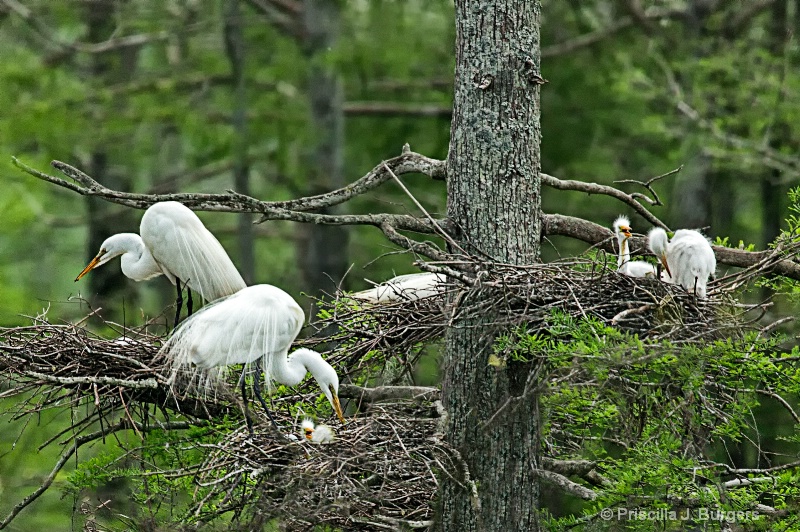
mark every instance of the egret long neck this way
{"type": "Point", "coordinates": [624, 252]}
{"type": "Point", "coordinates": [137, 262]}
{"type": "Point", "coordinates": [291, 370]}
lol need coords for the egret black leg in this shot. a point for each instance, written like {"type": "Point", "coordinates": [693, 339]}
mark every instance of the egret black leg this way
{"type": "Point", "coordinates": [257, 390]}
{"type": "Point", "coordinates": [247, 419]}
{"type": "Point", "coordinates": [178, 303]}
{"type": "Point", "coordinates": [189, 305]}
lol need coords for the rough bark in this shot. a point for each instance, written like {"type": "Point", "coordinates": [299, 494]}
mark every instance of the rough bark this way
{"type": "Point", "coordinates": [494, 205]}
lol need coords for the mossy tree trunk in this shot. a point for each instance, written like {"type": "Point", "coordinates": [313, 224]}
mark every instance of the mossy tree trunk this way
{"type": "Point", "coordinates": [494, 202]}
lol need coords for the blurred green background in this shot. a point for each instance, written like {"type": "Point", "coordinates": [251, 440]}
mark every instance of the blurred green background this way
{"type": "Point", "coordinates": [284, 98]}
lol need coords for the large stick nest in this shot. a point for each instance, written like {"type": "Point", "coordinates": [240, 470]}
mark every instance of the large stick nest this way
{"type": "Point", "coordinates": [379, 473]}
{"type": "Point", "coordinates": [528, 295]}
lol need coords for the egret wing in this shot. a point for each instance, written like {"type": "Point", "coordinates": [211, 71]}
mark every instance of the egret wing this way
{"type": "Point", "coordinates": [185, 249]}
{"type": "Point", "coordinates": [257, 323]}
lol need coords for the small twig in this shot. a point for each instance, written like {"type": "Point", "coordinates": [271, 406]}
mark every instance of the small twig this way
{"type": "Point", "coordinates": [435, 225]}
{"type": "Point", "coordinates": [128, 413]}
{"type": "Point", "coordinates": [68, 381]}
{"type": "Point", "coordinates": [656, 200]}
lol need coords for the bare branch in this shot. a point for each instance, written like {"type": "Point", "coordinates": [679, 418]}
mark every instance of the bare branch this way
{"type": "Point", "coordinates": [283, 14]}
{"type": "Point", "coordinates": [390, 224]}
{"type": "Point", "coordinates": [595, 188]}
{"type": "Point", "coordinates": [367, 108]}
{"type": "Point", "coordinates": [71, 381]}
{"type": "Point", "coordinates": [48, 480]}
{"type": "Point", "coordinates": [568, 486]}
{"type": "Point", "coordinates": [389, 393]}
{"type": "Point", "coordinates": [47, 34]}
{"type": "Point", "coordinates": [655, 200]}
{"type": "Point", "coordinates": [743, 13]}
{"type": "Point", "coordinates": [408, 162]}
{"type": "Point", "coordinates": [760, 471]}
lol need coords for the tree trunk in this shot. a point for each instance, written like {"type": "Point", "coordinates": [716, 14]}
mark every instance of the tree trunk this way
{"type": "Point", "coordinates": [494, 200]}
{"type": "Point", "coordinates": [325, 260]}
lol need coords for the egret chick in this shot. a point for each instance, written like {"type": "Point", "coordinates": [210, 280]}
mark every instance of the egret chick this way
{"type": "Point", "coordinates": [318, 433]}
{"type": "Point", "coordinates": [636, 268]}
{"type": "Point", "coordinates": [688, 258]}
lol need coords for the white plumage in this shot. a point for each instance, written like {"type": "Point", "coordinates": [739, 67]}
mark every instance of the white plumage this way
{"type": "Point", "coordinates": [636, 268]}
{"type": "Point", "coordinates": [317, 433]}
{"type": "Point", "coordinates": [255, 325]}
{"type": "Point", "coordinates": [404, 287]}
{"type": "Point", "coordinates": [173, 242]}
{"type": "Point", "coordinates": [688, 258]}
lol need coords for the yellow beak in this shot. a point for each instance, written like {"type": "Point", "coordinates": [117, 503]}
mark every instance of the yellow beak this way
{"type": "Point", "coordinates": [663, 260]}
{"type": "Point", "coordinates": [625, 230]}
{"type": "Point", "coordinates": [89, 267]}
{"type": "Point", "coordinates": [337, 406]}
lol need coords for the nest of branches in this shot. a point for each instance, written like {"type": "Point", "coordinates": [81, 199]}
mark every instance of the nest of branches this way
{"type": "Point", "coordinates": [380, 472]}
{"type": "Point", "coordinates": [527, 296]}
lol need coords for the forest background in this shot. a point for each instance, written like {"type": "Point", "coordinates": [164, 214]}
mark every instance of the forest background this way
{"type": "Point", "coordinates": [280, 102]}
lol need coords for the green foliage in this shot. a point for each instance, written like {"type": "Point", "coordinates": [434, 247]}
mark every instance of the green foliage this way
{"type": "Point", "coordinates": [658, 417]}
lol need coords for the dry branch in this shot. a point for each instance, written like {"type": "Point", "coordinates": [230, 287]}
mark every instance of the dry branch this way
{"type": "Point", "coordinates": [391, 224]}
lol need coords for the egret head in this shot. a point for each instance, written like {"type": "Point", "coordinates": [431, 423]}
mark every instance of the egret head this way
{"type": "Point", "coordinates": [307, 426]}
{"type": "Point", "coordinates": [330, 387]}
{"type": "Point", "coordinates": [657, 241]}
{"type": "Point", "coordinates": [622, 228]}
{"type": "Point", "coordinates": [113, 246]}
{"type": "Point", "coordinates": [324, 374]}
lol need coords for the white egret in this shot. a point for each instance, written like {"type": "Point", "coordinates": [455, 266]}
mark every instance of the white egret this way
{"type": "Point", "coordinates": [688, 258]}
{"type": "Point", "coordinates": [404, 287]}
{"type": "Point", "coordinates": [173, 242]}
{"type": "Point", "coordinates": [636, 268]}
{"type": "Point", "coordinates": [317, 433]}
{"type": "Point", "coordinates": [256, 325]}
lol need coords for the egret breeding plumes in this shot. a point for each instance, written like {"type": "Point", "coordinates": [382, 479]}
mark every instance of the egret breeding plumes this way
{"type": "Point", "coordinates": [255, 327]}
{"type": "Point", "coordinates": [688, 258]}
{"type": "Point", "coordinates": [317, 433]}
{"type": "Point", "coordinates": [173, 242]}
{"type": "Point", "coordinates": [636, 268]}
{"type": "Point", "coordinates": [404, 287]}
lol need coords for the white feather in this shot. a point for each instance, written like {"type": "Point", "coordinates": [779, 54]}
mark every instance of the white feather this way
{"type": "Point", "coordinates": [256, 325]}
{"type": "Point", "coordinates": [689, 257]}
{"type": "Point", "coordinates": [404, 287]}
{"type": "Point", "coordinates": [185, 249]}
{"type": "Point", "coordinates": [317, 434]}
{"type": "Point", "coordinates": [636, 268]}
{"type": "Point", "coordinates": [173, 242]}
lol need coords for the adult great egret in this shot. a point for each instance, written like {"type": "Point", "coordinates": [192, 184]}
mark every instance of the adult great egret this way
{"type": "Point", "coordinates": [173, 242]}
{"type": "Point", "coordinates": [255, 325]}
{"type": "Point", "coordinates": [404, 287]}
{"type": "Point", "coordinates": [688, 258]}
{"type": "Point", "coordinates": [636, 268]}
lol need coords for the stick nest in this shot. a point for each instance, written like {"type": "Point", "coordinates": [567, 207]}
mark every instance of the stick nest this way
{"type": "Point", "coordinates": [379, 472]}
